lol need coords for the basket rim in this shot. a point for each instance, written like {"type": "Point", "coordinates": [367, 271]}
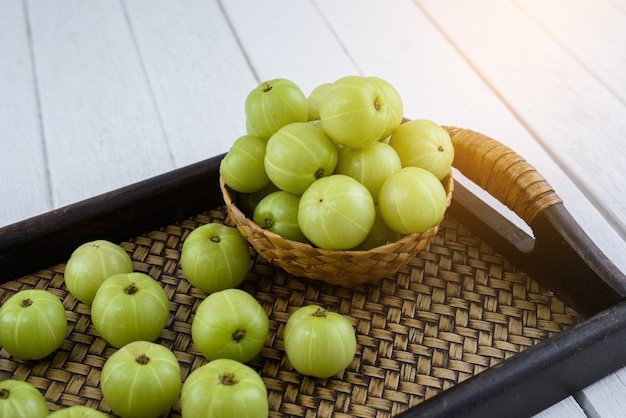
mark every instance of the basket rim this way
{"type": "Point", "coordinates": [448, 183]}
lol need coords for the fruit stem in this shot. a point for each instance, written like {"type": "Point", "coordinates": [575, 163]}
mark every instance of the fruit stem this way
{"type": "Point", "coordinates": [132, 289]}
{"type": "Point", "coordinates": [215, 238]}
{"type": "Point", "coordinates": [4, 393]}
{"type": "Point", "coordinates": [228, 379]}
{"type": "Point", "coordinates": [267, 88]}
{"type": "Point", "coordinates": [319, 313]}
{"type": "Point", "coordinates": [26, 303]}
{"type": "Point", "coordinates": [238, 335]}
{"type": "Point", "coordinates": [142, 359]}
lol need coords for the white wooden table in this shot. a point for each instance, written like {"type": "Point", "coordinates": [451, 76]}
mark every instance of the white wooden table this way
{"type": "Point", "coordinates": [95, 95]}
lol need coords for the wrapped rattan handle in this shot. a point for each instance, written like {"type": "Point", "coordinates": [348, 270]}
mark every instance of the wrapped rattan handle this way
{"type": "Point", "coordinates": [502, 172]}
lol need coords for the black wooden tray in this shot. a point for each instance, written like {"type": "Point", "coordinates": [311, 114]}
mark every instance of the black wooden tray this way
{"type": "Point", "coordinates": [561, 258]}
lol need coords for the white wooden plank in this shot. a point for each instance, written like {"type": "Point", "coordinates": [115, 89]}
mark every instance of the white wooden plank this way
{"type": "Point", "coordinates": [607, 397]}
{"type": "Point", "coordinates": [434, 80]}
{"type": "Point", "coordinates": [197, 72]}
{"type": "Point", "coordinates": [288, 39]}
{"type": "Point", "coordinates": [568, 407]}
{"type": "Point", "coordinates": [592, 32]}
{"type": "Point", "coordinates": [23, 187]}
{"type": "Point", "coordinates": [100, 123]}
{"type": "Point", "coordinates": [578, 121]}
{"type": "Point", "coordinates": [620, 5]}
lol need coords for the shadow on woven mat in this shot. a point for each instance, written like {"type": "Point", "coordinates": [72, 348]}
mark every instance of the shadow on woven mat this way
{"type": "Point", "coordinates": [457, 309]}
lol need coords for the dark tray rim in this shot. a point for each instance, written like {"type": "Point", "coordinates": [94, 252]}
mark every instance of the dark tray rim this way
{"type": "Point", "coordinates": [522, 385]}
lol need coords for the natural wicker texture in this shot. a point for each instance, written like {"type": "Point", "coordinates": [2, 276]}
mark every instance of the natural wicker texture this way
{"type": "Point", "coordinates": [343, 268]}
{"type": "Point", "coordinates": [448, 314]}
{"type": "Point", "coordinates": [502, 172]}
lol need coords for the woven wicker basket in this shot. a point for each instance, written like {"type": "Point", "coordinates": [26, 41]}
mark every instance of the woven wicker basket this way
{"type": "Point", "coordinates": [337, 267]}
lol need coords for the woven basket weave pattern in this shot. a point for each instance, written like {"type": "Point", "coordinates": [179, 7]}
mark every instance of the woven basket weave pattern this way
{"type": "Point", "coordinates": [448, 314]}
{"type": "Point", "coordinates": [344, 268]}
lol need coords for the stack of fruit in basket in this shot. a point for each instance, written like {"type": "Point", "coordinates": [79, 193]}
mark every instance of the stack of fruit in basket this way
{"type": "Point", "coordinates": [338, 169]}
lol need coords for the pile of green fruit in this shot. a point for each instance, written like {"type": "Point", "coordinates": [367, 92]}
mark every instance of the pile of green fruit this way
{"type": "Point", "coordinates": [338, 169]}
{"type": "Point", "coordinates": [130, 310]}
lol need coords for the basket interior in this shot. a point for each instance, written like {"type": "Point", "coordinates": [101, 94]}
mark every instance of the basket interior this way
{"type": "Point", "coordinates": [456, 309]}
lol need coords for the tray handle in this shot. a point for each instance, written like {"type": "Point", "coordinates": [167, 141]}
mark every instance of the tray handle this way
{"type": "Point", "coordinates": [561, 256]}
{"type": "Point", "coordinates": [503, 173]}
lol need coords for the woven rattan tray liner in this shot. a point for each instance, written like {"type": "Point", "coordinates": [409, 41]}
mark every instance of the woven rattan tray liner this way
{"type": "Point", "coordinates": [457, 309]}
